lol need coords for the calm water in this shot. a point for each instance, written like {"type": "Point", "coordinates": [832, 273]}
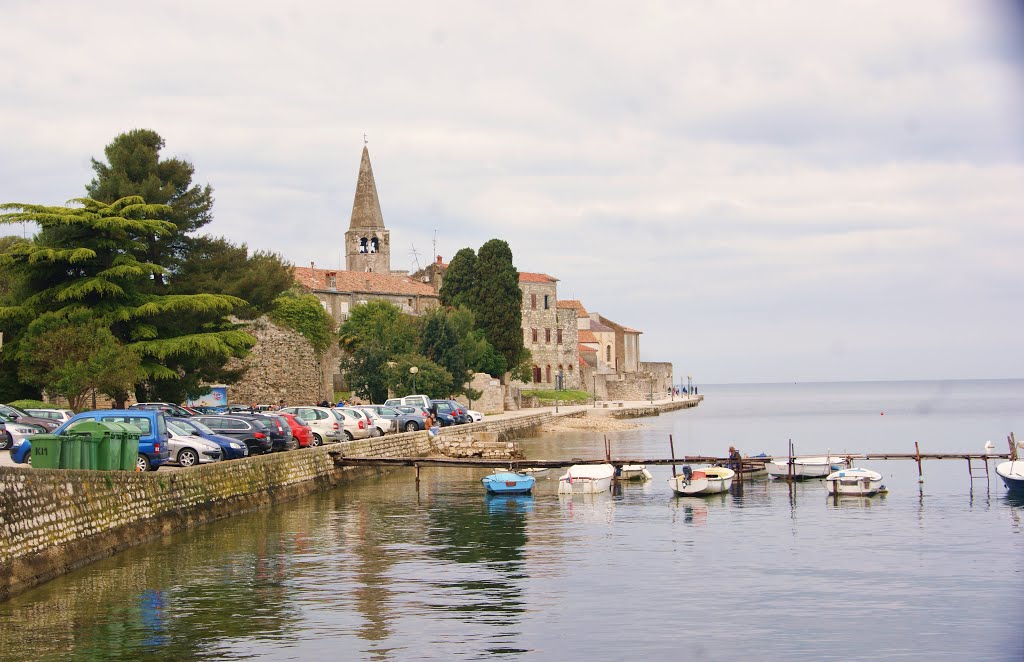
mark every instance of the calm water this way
{"type": "Point", "coordinates": [376, 571]}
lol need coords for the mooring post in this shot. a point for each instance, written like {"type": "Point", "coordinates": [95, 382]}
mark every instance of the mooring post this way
{"type": "Point", "coordinates": [672, 449]}
{"type": "Point", "coordinates": [790, 469]}
{"type": "Point", "coordinates": [917, 452]}
{"type": "Point", "coordinates": [417, 477]}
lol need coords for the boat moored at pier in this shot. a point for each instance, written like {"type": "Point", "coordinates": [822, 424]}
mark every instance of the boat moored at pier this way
{"type": "Point", "coordinates": [854, 482]}
{"type": "Point", "coordinates": [508, 482]}
{"type": "Point", "coordinates": [586, 479]}
{"type": "Point", "coordinates": [804, 468]}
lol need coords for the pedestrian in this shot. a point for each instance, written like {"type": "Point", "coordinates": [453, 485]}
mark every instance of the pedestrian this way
{"type": "Point", "coordinates": [280, 403]}
{"type": "Point", "coordinates": [734, 459]}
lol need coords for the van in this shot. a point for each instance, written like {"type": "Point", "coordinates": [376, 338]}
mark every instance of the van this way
{"type": "Point", "coordinates": [409, 401]}
{"type": "Point", "coordinates": [153, 447]}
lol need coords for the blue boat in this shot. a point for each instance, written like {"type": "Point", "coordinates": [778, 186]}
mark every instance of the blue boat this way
{"type": "Point", "coordinates": [508, 482]}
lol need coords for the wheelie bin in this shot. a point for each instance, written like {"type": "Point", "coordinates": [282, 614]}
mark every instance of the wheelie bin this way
{"type": "Point", "coordinates": [46, 451]}
{"type": "Point", "coordinates": [101, 444]}
{"type": "Point", "coordinates": [130, 445]}
{"type": "Point", "coordinates": [70, 451]}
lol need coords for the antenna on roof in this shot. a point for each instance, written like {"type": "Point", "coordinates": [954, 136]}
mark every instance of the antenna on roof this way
{"type": "Point", "coordinates": [365, 141]}
{"type": "Point", "coordinates": [435, 242]}
{"type": "Point", "coordinates": [415, 256]}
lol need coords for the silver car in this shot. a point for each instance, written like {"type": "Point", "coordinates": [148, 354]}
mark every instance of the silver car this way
{"type": "Point", "coordinates": [60, 415]}
{"type": "Point", "coordinates": [187, 449]}
{"type": "Point", "coordinates": [13, 433]}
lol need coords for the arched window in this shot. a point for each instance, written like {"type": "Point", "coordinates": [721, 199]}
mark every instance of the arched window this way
{"type": "Point", "coordinates": [608, 353]}
{"type": "Point", "coordinates": [374, 245]}
{"type": "Point", "coordinates": [536, 374]}
{"type": "Point", "coordinates": [548, 373]}
{"type": "Point", "coordinates": [364, 245]}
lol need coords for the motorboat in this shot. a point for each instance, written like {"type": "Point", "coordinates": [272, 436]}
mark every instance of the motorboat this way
{"type": "Point", "coordinates": [634, 472]}
{"type": "Point", "coordinates": [508, 482]}
{"type": "Point", "coordinates": [854, 481]}
{"type": "Point", "coordinates": [1012, 474]}
{"type": "Point", "coordinates": [586, 479]}
{"type": "Point", "coordinates": [805, 467]}
{"type": "Point", "coordinates": [705, 480]}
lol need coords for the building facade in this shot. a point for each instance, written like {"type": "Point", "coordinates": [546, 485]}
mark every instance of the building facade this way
{"type": "Point", "coordinates": [549, 332]}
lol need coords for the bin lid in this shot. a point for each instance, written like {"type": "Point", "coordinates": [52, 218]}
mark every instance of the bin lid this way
{"type": "Point", "coordinates": [92, 428]}
{"type": "Point", "coordinates": [44, 436]}
{"type": "Point", "coordinates": [125, 427]}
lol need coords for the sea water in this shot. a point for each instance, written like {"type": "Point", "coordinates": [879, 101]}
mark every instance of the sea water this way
{"type": "Point", "coordinates": [380, 570]}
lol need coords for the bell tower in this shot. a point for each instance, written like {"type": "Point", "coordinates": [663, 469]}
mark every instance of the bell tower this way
{"type": "Point", "coordinates": [367, 242]}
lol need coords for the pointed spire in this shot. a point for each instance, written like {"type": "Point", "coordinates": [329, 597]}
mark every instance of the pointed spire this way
{"type": "Point", "coordinates": [366, 206]}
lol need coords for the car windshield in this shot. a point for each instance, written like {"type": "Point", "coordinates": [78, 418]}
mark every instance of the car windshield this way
{"type": "Point", "coordinates": [9, 411]}
{"type": "Point", "coordinates": [199, 426]}
{"type": "Point", "coordinates": [178, 428]}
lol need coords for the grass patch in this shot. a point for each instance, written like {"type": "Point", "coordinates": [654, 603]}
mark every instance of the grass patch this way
{"type": "Point", "coordinates": [549, 394]}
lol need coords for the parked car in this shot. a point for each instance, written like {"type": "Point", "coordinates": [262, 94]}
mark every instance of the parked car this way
{"type": "Point", "coordinates": [152, 424]}
{"type": "Point", "coordinates": [302, 432]}
{"type": "Point", "coordinates": [280, 431]}
{"type": "Point", "coordinates": [475, 416]}
{"type": "Point", "coordinates": [409, 401]}
{"type": "Point", "coordinates": [413, 418]}
{"type": "Point", "coordinates": [399, 418]}
{"type": "Point", "coordinates": [354, 423]}
{"type": "Point", "coordinates": [380, 424]}
{"type": "Point", "coordinates": [59, 415]}
{"type": "Point", "coordinates": [188, 450]}
{"type": "Point", "coordinates": [250, 430]}
{"type": "Point", "coordinates": [12, 433]}
{"type": "Point", "coordinates": [208, 409]}
{"type": "Point", "coordinates": [17, 415]}
{"type": "Point", "coordinates": [168, 408]}
{"type": "Point", "coordinates": [325, 425]}
{"type": "Point", "coordinates": [451, 408]}
{"type": "Point", "coordinates": [231, 449]}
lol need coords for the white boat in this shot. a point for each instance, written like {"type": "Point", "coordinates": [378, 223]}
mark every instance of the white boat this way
{"type": "Point", "coordinates": [537, 472]}
{"type": "Point", "coordinates": [706, 480]}
{"type": "Point", "coordinates": [634, 472]}
{"type": "Point", "coordinates": [1012, 475]}
{"type": "Point", "coordinates": [586, 479]}
{"type": "Point", "coordinates": [805, 467]}
{"type": "Point", "coordinates": [854, 482]}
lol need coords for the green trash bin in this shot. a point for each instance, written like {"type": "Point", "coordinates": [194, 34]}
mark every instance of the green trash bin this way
{"type": "Point", "coordinates": [101, 444]}
{"type": "Point", "coordinates": [130, 445]}
{"type": "Point", "coordinates": [46, 451]}
{"type": "Point", "coordinates": [70, 452]}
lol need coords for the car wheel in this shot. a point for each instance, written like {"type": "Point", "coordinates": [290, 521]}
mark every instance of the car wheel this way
{"type": "Point", "coordinates": [6, 441]}
{"type": "Point", "coordinates": [348, 436]}
{"type": "Point", "coordinates": [411, 426]}
{"type": "Point", "coordinates": [28, 458]}
{"type": "Point", "coordinates": [142, 463]}
{"type": "Point", "coordinates": [317, 440]}
{"type": "Point", "coordinates": [188, 458]}
{"type": "Point", "coordinates": [380, 433]}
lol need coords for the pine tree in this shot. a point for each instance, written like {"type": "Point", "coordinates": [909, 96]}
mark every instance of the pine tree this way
{"type": "Point", "coordinates": [85, 257]}
{"type": "Point", "coordinates": [498, 308]}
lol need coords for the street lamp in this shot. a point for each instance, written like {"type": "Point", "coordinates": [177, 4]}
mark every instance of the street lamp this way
{"type": "Point", "coordinates": [412, 371]}
{"type": "Point", "coordinates": [689, 386]}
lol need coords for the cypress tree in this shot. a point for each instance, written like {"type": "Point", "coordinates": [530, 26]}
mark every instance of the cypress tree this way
{"type": "Point", "coordinates": [498, 307]}
{"type": "Point", "coordinates": [460, 281]}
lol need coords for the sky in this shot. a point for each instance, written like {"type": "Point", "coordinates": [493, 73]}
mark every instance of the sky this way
{"type": "Point", "coordinates": [771, 191]}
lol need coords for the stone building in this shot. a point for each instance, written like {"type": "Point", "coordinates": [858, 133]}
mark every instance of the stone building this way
{"type": "Point", "coordinates": [367, 242]}
{"type": "Point", "coordinates": [550, 333]}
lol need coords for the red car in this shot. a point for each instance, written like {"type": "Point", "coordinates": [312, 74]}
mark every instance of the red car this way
{"type": "Point", "coordinates": [302, 432]}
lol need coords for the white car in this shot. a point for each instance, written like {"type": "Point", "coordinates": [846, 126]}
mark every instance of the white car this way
{"type": "Point", "coordinates": [381, 425]}
{"type": "Point", "coordinates": [355, 423]}
{"type": "Point", "coordinates": [409, 401]}
{"type": "Point", "coordinates": [326, 425]}
{"type": "Point", "coordinates": [188, 450]}
{"type": "Point", "coordinates": [475, 415]}
{"type": "Point", "coordinates": [61, 415]}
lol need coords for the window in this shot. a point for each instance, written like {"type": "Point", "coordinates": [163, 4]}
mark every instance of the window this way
{"type": "Point", "coordinates": [533, 333]}
{"type": "Point", "coordinates": [332, 281]}
{"type": "Point", "coordinates": [547, 337]}
{"type": "Point", "coordinates": [547, 373]}
{"type": "Point", "coordinates": [536, 374]}
{"type": "Point", "coordinates": [533, 301]}
{"type": "Point", "coordinates": [570, 367]}
{"type": "Point", "coordinates": [608, 353]}
{"type": "Point", "coordinates": [559, 337]}
{"type": "Point", "coordinates": [140, 422]}
{"type": "Point", "coordinates": [545, 302]}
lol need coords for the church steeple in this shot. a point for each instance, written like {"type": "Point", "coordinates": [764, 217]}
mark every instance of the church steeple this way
{"type": "Point", "coordinates": [367, 242]}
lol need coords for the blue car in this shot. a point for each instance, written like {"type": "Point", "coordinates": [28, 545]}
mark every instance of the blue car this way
{"type": "Point", "coordinates": [233, 449]}
{"type": "Point", "coordinates": [153, 448]}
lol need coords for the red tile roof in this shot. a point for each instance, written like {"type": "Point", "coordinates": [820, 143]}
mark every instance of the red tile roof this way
{"type": "Point", "coordinates": [600, 328]}
{"type": "Point", "coordinates": [584, 348]}
{"type": "Point", "coordinates": [586, 335]}
{"type": "Point", "coordinates": [527, 277]}
{"type": "Point", "coordinates": [574, 304]}
{"type": "Point", "coordinates": [629, 330]}
{"type": "Point", "coordinates": [361, 281]}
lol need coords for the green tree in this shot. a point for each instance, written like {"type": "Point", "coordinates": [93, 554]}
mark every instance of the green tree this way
{"type": "Point", "coordinates": [134, 168]}
{"type": "Point", "coordinates": [374, 333]}
{"type": "Point", "coordinates": [499, 306]}
{"type": "Point", "coordinates": [303, 313]}
{"type": "Point", "coordinates": [440, 343]}
{"type": "Point", "coordinates": [85, 258]}
{"type": "Point", "coordinates": [459, 287]}
{"type": "Point", "coordinates": [479, 354]}
{"type": "Point", "coordinates": [430, 379]}
{"type": "Point", "coordinates": [75, 356]}
{"type": "Point", "coordinates": [216, 266]}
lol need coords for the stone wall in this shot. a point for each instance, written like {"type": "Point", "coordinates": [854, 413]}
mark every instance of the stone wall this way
{"type": "Point", "coordinates": [282, 366]}
{"type": "Point", "coordinates": [492, 398]}
{"type": "Point", "coordinates": [661, 373]}
{"type": "Point", "coordinates": [547, 322]}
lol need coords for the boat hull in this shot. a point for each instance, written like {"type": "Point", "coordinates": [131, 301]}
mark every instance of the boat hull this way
{"type": "Point", "coordinates": [634, 472]}
{"type": "Point", "coordinates": [507, 482]}
{"type": "Point", "coordinates": [804, 468]}
{"type": "Point", "coordinates": [586, 479]}
{"type": "Point", "coordinates": [713, 480]}
{"type": "Point", "coordinates": [1012, 475]}
{"type": "Point", "coordinates": [854, 482]}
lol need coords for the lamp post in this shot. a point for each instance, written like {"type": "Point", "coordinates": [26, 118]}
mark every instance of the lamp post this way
{"type": "Point", "coordinates": [595, 390]}
{"type": "Point", "coordinates": [689, 386]}
{"type": "Point", "coordinates": [652, 390]}
{"type": "Point", "coordinates": [412, 371]}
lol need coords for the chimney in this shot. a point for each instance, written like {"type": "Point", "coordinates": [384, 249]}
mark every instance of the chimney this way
{"type": "Point", "coordinates": [439, 262]}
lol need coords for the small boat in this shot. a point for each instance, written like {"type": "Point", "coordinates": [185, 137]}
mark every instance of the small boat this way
{"type": "Point", "coordinates": [634, 472]}
{"type": "Point", "coordinates": [537, 471]}
{"type": "Point", "coordinates": [805, 467]}
{"type": "Point", "coordinates": [508, 482]}
{"type": "Point", "coordinates": [706, 480]}
{"type": "Point", "coordinates": [751, 469]}
{"type": "Point", "coordinates": [1012, 474]}
{"type": "Point", "coordinates": [586, 479]}
{"type": "Point", "coordinates": [854, 482]}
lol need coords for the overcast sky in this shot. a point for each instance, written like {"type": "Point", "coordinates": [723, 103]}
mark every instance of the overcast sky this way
{"type": "Point", "coordinates": [770, 191]}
